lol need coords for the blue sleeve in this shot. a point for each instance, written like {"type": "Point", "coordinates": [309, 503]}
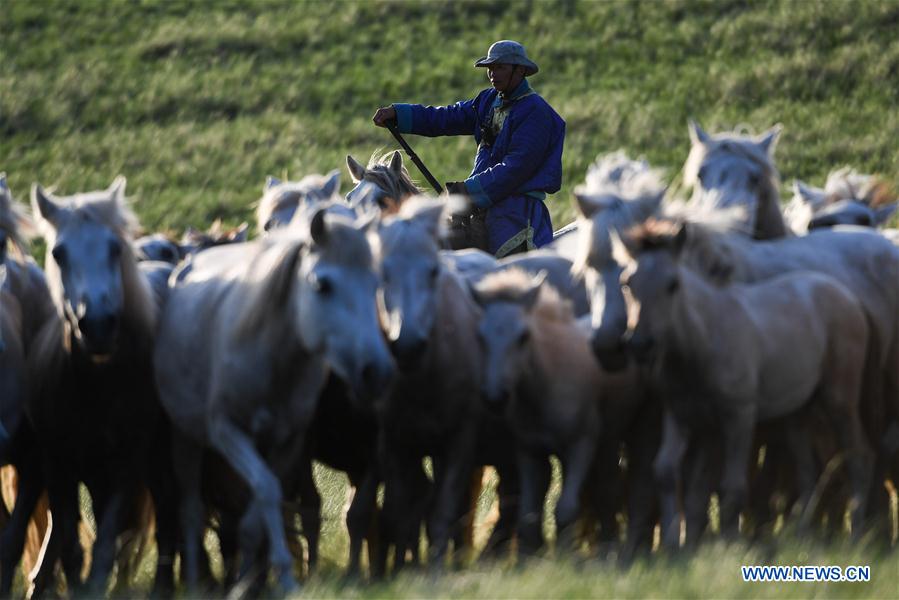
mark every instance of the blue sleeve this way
{"type": "Point", "coordinates": [527, 149]}
{"type": "Point", "coordinates": [456, 119]}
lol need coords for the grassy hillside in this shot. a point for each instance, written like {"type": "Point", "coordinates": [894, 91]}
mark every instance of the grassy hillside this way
{"type": "Point", "coordinates": [195, 102]}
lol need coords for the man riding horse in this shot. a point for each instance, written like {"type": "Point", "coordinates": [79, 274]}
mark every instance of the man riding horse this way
{"type": "Point", "coordinates": [519, 158]}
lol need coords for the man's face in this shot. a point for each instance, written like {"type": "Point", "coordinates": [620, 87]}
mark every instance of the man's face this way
{"type": "Point", "coordinates": [503, 77]}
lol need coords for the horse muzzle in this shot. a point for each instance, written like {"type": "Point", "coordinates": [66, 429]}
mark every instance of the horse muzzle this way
{"type": "Point", "coordinates": [641, 348]}
{"type": "Point", "coordinates": [373, 379]}
{"type": "Point", "coordinates": [98, 335]}
{"type": "Point", "coordinates": [611, 353]}
{"type": "Point", "coordinates": [408, 352]}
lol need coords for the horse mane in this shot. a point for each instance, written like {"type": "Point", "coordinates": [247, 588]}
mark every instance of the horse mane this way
{"type": "Point", "coordinates": [513, 285]}
{"type": "Point", "coordinates": [848, 184]}
{"type": "Point", "coordinates": [618, 176]}
{"type": "Point", "coordinates": [627, 191]}
{"type": "Point", "coordinates": [15, 223]}
{"type": "Point", "coordinates": [274, 267]}
{"type": "Point", "coordinates": [269, 288]}
{"type": "Point", "coordinates": [397, 186]}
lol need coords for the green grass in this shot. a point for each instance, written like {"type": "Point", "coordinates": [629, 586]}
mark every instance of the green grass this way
{"type": "Point", "coordinates": [196, 102]}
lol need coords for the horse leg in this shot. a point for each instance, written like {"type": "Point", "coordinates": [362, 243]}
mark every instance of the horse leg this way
{"type": "Point", "coordinates": [12, 538]}
{"type": "Point", "coordinates": [187, 458]}
{"type": "Point", "coordinates": [508, 492]}
{"type": "Point", "coordinates": [603, 492]}
{"type": "Point", "coordinates": [535, 474]}
{"type": "Point", "coordinates": [858, 459]}
{"type": "Point", "coordinates": [737, 432]}
{"type": "Point", "coordinates": [450, 485]}
{"type": "Point", "coordinates": [240, 453]}
{"type": "Point", "coordinates": [109, 522]}
{"type": "Point", "coordinates": [359, 519]}
{"type": "Point", "coordinates": [398, 516]}
{"type": "Point", "coordinates": [62, 541]}
{"type": "Point", "coordinates": [310, 511]}
{"type": "Point", "coordinates": [698, 487]}
{"type": "Point", "coordinates": [163, 491]}
{"type": "Point", "coordinates": [576, 462]}
{"type": "Point", "coordinates": [642, 447]}
{"type": "Point", "coordinates": [666, 469]}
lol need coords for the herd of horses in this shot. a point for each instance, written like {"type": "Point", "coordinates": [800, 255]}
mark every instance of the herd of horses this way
{"type": "Point", "coordinates": [663, 351]}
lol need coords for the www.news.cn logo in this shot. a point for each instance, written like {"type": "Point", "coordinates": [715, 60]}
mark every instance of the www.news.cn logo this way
{"type": "Point", "coordinates": [806, 573]}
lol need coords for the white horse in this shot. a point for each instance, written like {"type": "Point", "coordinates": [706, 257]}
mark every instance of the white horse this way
{"type": "Point", "coordinates": [248, 336]}
{"type": "Point", "coordinates": [731, 355]}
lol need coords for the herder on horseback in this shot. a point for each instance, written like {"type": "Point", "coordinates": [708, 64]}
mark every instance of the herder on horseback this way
{"type": "Point", "coordinates": [519, 158]}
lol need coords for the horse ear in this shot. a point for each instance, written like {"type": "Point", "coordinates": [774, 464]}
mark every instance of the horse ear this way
{"type": "Point", "coordinates": [396, 162]}
{"type": "Point", "coordinates": [270, 182]}
{"type": "Point", "coordinates": [318, 229]}
{"type": "Point", "coordinates": [680, 238]}
{"type": "Point", "coordinates": [117, 189]}
{"type": "Point", "coordinates": [882, 214]}
{"type": "Point", "coordinates": [697, 135]}
{"type": "Point", "coordinates": [647, 206]}
{"type": "Point", "coordinates": [533, 292]}
{"type": "Point", "coordinates": [240, 234]}
{"type": "Point", "coordinates": [332, 184]}
{"type": "Point", "coordinates": [430, 218]}
{"type": "Point", "coordinates": [43, 204]}
{"type": "Point", "coordinates": [585, 204]}
{"type": "Point", "coordinates": [620, 251]}
{"type": "Point", "coordinates": [803, 191]}
{"type": "Point", "coordinates": [357, 171]}
{"type": "Point", "coordinates": [768, 141]}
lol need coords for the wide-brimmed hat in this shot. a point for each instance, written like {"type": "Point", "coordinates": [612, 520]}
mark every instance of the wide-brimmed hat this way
{"type": "Point", "coordinates": [510, 53]}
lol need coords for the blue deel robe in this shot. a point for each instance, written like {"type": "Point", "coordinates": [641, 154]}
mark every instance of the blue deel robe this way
{"type": "Point", "coordinates": [512, 176]}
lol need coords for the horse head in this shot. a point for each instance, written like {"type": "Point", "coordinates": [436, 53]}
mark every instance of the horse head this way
{"type": "Point", "coordinates": [410, 267]}
{"type": "Point", "coordinates": [651, 281]}
{"type": "Point", "coordinates": [334, 304]}
{"type": "Point", "coordinates": [91, 268]}
{"type": "Point", "coordinates": [504, 332]}
{"type": "Point", "coordinates": [384, 182]}
{"type": "Point", "coordinates": [618, 194]}
{"type": "Point", "coordinates": [282, 199]}
{"type": "Point", "coordinates": [732, 169]}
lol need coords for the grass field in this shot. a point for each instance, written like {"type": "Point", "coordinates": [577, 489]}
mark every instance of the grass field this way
{"type": "Point", "coordinates": [196, 102]}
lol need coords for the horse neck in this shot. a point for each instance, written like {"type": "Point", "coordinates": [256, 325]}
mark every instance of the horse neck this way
{"type": "Point", "coordinates": [769, 220]}
{"type": "Point", "coordinates": [700, 308]}
{"type": "Point", "coordinates": [455, 306]}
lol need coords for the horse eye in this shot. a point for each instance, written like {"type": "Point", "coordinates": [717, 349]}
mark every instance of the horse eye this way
{"type": "Point", "coordinates": [268, 225]}
{"type": "Point", "coordinates": [703, 173]}
{"type": "Point", "coordinates": [323, 285]}
{"type": "Point", "coordinates": [434, 272]}
{"type": "Point", "coordinates": [754, 179]}
{"type": "Point", "coordinates": [115, 250]}
{"type": "Point", "coordinates": [523, 337]}
{"type": "Point", "coordinates": [672, 286]}
{"type": "Point", "coordinates": [59, 255]}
